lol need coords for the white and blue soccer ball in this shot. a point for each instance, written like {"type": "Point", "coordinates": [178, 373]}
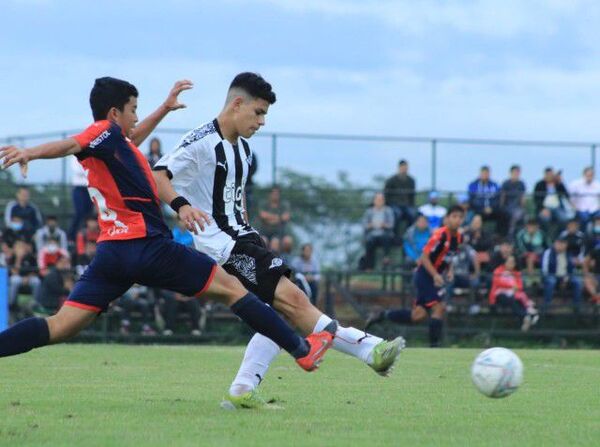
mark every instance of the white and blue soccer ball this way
{"type": "Point", "coordinates": [497, 372]}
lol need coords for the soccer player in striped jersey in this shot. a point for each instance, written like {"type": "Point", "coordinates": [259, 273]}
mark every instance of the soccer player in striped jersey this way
{"type": "Point", "coordinates": [435, 263]}
{"type": "Point", "coordinates": [209, 168]}
{"type": "Point", "coordinates": [135, 244]}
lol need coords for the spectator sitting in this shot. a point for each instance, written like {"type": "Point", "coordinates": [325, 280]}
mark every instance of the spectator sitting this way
{"type": "Point", "coordinates": [49, 254]}
{"type": "Point", "coordinates": [275, 245]}
{"type": "Point", "coordinates": [23, 273]}
{"type": "Point", "coordinates": [378, 225]}
{"type": "Point", "coordinates": [181, 234]}
{"type": "Point", "coordinates": [479, 239]}
{"type": "Point", "coordinates": [512, 202]}
{"type": "Point", "coordinates": [415, 239]}
{"type": "Point", "coordinates": [550, 197]}
{"type": "Point", "coordinates": [82, 204]}
{"type": "Point", "coordinates": [307, 265]}
{"type": "Point", "coordinates": [56, 285]}
{"type": "Point", "coordinates": [22, 207]}
{"type": "Point", "coordinates": [557, 268]}
{"type": "Point", "coordinates": [136, 299]}
{"type": "Point", "coordinates": [16, 232]}
{"type": "Point", "coordinates": [466, 269]}
{"type": "Point", "coordinates": [399, 192]}
{"type": "Point", "coordinates": [575, 242]}
{"type": "Point", "coordinates": [585, 195]}
{"type": "Point", "coordinates": [85, 259]}
{"type": "Point", "coordinates": [484, 196]}
{"type": "Point", "coordinates": [462, 200]}
{"type": "Point", "coordinates": [591, 270]}
{"type": "Point", "coordinates": [507, 291]}
{"type": "Point", "coordinates": [90, 233]}
{"type": "Point", "coordinates": [51, 229]}
{"type": "Point", "coordinates": [287, 248]}
{"type": "Point", "coordinates": [274, 214]}
{"type": "Point", "coordinates": [175, 302]}
{"type": "Point", "coordinates": [155, 152]}
{"type": "Point", "coordinates": [530, 243]}
{"type": "Point", "coordinates": [500, 254]}
{"type": "Point", "coordinates": [432, 211]}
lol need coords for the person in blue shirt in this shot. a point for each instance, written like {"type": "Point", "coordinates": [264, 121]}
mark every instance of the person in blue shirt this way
{"type": "Point", "coordinates": [415, 239]}
{"type": "Point", "coordinates": [484, 196]}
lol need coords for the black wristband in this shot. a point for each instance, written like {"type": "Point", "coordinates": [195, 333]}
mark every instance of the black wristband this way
{"type": "Point", "coordinates": [178, 202]}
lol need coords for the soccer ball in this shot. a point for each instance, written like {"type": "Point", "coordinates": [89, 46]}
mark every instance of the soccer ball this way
{"type": "Point", "coordinates": [497, 372]}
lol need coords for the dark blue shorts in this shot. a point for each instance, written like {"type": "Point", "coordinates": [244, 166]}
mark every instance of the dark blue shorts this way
{"type": "Point", "coordinates": [154, 262]}
{"type": "Point", "coordinates": [427, 293]}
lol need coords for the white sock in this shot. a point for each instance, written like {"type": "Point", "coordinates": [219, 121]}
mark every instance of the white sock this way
{"type": "Point", "coordinates": [351, 341]}
{"type": "Point", "coordinates": [260, 352]}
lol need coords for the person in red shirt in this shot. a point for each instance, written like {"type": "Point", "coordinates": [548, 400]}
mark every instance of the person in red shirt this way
{"type": "Point", "coordinates": [433, 270]}
{"type": "Point", "coordinates": [135, 244]}
{"type": "Point", "coordinates": [90, 233]}
{"type": "Point", "coordinates": [507, 291]}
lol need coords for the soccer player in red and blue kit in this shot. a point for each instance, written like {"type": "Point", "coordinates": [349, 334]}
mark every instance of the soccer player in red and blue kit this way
{"type": "Point", "coordinates": [429, 280]}
{"type": "Point", "coordinates": [135, 244]}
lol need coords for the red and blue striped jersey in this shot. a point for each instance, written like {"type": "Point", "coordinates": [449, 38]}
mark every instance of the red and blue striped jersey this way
{"type": "Point", "coordinates": [120, 183]}
{"type": "Point", "coordinates": [441, 247]}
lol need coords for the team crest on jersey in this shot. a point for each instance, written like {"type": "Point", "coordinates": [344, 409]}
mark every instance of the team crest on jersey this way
{"type": "Point", "coordinates": [245, 266]}
{"type": "Point", "coordinates": [276, 262]}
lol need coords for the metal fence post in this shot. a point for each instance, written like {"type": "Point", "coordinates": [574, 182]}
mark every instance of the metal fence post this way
{"type": "Point", "coordinates": [593, 156]}
{"type": "Point", "coordinates": [3, 298]}
{"type": "Point", "coordinates": [433, 165]}
{"type": "Point", "coordinates": [274, 159]}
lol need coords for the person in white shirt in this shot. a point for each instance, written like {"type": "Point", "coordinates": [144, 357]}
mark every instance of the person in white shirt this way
{"type": "Point", "coordinates": [585, 196]}
{"type": "Point", "coordinates": [432, 211]}
{"type": "Point", "coordinates": [82, 204]}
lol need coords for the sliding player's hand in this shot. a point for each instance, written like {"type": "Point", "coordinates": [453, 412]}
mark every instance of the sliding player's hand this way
{"type": "Point", "coordinates": [438, 280]}
{"type": "Point", "coordinates": [11, 155]}
{"type": "Point", "coordinates": [194, 218]}
{"type": "Point", "coordinates": [172, 101]}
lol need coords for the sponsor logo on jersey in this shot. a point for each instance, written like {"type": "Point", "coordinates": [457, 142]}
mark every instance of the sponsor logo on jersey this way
{"type": "Point", "coordinates": [99, 139]}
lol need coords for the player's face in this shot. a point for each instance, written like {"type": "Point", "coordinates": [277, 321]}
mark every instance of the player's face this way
{"type": "Point", "coordinates": [250, 116]}
{"type": "Point", "coordinates": [454, 220]}
{"type": "Point", "coordinates": [127, 118]}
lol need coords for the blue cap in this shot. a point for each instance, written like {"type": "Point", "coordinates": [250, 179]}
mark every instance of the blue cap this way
{"type": "Point", "coordinates": [462, 197]}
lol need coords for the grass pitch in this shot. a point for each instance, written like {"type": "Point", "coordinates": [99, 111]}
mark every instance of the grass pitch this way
{"type": "Point", "coordinates": [100, 395]}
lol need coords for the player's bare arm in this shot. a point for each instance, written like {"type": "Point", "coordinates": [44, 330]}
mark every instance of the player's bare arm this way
{"type": "Point", "coordinates": [188, 214]}
{"type": "Point", "coordinates": [426, 262]}
{"type": "Point", "coordinates": [11, 155]}
{"type": "Point", "coordinates": [145, 128]}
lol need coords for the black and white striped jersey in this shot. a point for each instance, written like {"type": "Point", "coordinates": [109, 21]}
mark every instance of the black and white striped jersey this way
{"type": "Point", "coordinates": [211, 173]}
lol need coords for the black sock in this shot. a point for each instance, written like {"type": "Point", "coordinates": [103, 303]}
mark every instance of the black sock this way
{"type": "Point", "coordinates": [264, 320]}
{"type": "Point", "coordinates": [400, 316]}
{"type": "Point", "coordinates": [435, 332]}
{"type": "Point", "coordinates": [24, 336]}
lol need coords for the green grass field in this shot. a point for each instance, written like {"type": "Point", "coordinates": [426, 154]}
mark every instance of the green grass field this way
{"type": "Point", "coordinates": [100, 395]}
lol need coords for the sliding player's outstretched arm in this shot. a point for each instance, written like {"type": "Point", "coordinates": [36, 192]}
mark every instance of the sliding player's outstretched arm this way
{"type": "Point", "coordinates": [11, 155]}
{"type": "Point", "coordinates": [145, 128]}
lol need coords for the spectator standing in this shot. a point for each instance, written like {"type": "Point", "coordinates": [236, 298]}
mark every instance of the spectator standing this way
{"type": "Point", "coordinates": [274, 214]}
{"type": "Point", "coordinates": [22, 208]}
{"type": "Point", "coordinates": [50, 230]}
{"type": "Point", "coordinates": [415, 239]}
{"type": "Point", "coordinates": [507, 291]}
{"type": "Point", "coordinates": [82, 204]}
{"type": "Point", "coordinates": [550, 196]}
{"type": "Point", "coordinates": [557, 269]}
{"type": "Point", "coordinates": [399, 192]}
{"type": "Point", "coordinates": [585, 196]}
{"type": "Point", "coordinates": [512, 202]}
{"type": "Point", "coordinates": [531, 243]}
{"type": "Point", "coordinates": [484, 196]}
{"type": "Point", "coordinates": [378, 225]}
{"type": "Point", "coordinates": [90, 233]}
{"type": "Point", "coordinates": [575, 242]}
{"type": "Point", "coordinates": [307, 265]}
{"type": "Point", "coordinates": [433, 211]}
{"type": "Point", "coordinates": [154, 152]}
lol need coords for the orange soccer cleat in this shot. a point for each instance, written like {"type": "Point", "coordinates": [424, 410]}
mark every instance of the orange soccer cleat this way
{"type": "Point", "coordinates": [319, 343]}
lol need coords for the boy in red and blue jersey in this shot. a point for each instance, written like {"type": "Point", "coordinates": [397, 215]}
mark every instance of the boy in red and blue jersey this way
{"type": "Point", "coordinates": [435, 262]}
{"type": "Point", "coordinates": [135, 244]}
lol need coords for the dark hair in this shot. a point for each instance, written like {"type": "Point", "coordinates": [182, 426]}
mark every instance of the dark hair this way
{"type": "Point", "coordinates": [485, 168]}
{"type": "Point", "coordinates": [255, 86]}
{"type": "Point", "coordinates": [531, 221]}
{"type": "Point", "coordinates": [51, 217]}
{"type": "Point", "coordinates": [402, 162]}
{"type": "Point", "coordinates": [110, 92]}
{"type": "Point", "coordinates": [455, 209]}
{"type": "Point", "coordinates": [514, 167]}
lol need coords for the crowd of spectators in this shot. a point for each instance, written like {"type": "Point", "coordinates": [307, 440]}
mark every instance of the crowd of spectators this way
{"type": "Point", "coordinates": [551, 235]}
